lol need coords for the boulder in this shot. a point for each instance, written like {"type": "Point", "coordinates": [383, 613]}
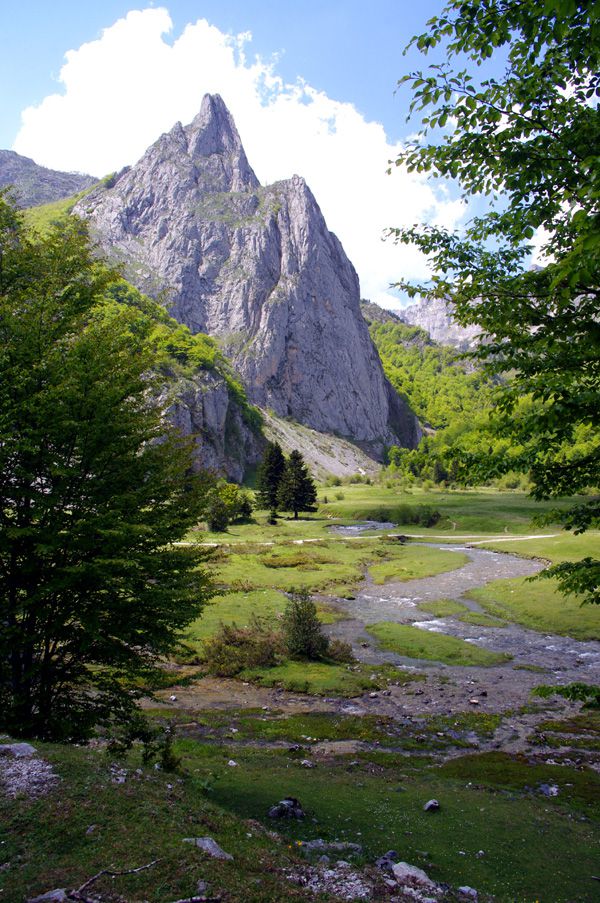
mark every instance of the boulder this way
{"type": "Point", "coordinates": [209, 846]}
{"type": "Point", "coordinates": [287, 808]}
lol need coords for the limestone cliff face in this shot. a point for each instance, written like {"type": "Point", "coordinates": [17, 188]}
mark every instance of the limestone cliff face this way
{"type": "Point", "coordinates": [202, 407]}
{"type": "Point", "coordinates": [258, 269]}
{"type": "Point", "coordinates": [435, 317]}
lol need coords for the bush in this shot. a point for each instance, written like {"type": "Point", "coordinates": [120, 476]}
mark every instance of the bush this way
{"type": "Point", "coordinates": [339, 651]}
{"type": "Point", "coordinates": [233, 648]}
{"type": "Point", "coordinates": [302, 632]}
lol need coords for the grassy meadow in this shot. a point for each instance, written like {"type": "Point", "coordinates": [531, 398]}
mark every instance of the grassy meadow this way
{"type": "Point", "coordinates": [123, 814]}
{"type": "Point", "coordinates": [368, 786]}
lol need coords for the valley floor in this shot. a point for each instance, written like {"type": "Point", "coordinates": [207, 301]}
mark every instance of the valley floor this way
{"type": "Point", "coordinates": [450, 639]}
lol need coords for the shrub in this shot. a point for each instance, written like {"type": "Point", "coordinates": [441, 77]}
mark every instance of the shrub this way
{"type": "Point", "coordinates": [302, 632]}
{"type": "Point", "coordinates": [233, 649]}
{"type": "Point", "coordinates": [339, 651]}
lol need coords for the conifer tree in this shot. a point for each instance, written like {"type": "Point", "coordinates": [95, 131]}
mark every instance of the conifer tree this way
{"type": "Point", "coordinates": [297, 490]}
{"type": "Point", "coordinates": [269, 476]}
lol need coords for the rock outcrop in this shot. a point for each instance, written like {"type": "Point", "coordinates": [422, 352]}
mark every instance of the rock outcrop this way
{"type": "Point", "coordinates": [258, 269]}
{"type": "Point", "coordinates": [202, 406]}
{"type": "Point", "coordinates": [33, 184]}
{"type": "Point", "coordinates": [435, 317]}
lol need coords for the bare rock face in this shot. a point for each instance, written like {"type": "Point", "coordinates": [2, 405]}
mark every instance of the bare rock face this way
{"type": "Point", "coordinates": [257, 268]}
{"type": "Point", "coordinates": [435, 317]}
{"type": "Point", "coordinates": [225, 443]}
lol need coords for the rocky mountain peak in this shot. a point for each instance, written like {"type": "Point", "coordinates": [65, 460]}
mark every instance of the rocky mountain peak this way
{"type": "Point", "coordinates": [257, 268]}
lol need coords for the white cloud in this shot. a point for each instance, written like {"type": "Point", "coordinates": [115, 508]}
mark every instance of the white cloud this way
{"type": "Point", "coordinates": [121, 91]}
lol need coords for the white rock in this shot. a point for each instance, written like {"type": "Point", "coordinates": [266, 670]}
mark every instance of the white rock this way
{"type": "Point", "coordinates": [209, 846]}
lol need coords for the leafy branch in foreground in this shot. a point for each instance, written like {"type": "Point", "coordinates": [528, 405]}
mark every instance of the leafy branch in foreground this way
{"type": "Point", "coordinates": [527, 142]}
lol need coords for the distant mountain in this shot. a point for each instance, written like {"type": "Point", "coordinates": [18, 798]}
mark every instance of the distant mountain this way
{"type": "Point", "coordinates": [257, 268]}
{"type": "Point", "coordinates": [435, 317]}
{"type": "Point", "coordinates": [34, 185]}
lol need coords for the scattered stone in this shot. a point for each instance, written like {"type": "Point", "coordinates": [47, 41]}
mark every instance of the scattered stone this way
{"type": "Point", "coordinates": [480, 854]}
{"type": "Point", "coordinates": [548, 790]}
{"type": "Point", "coordinates": [306, 763]}
{"type": "Point", "coordinates": [295, 748]}
{"type": "Point", "coordinates": [202, 886]}
{"type": "Point", "coordinates": [24, 773]}
{"type": "Point", "coordinates": [53, 896]}
{"type": "Point", "coordinates": [209, 846]}
{"type": "Point", "coordinates": [373, 695]}
{"type": "Point", "coordinates": [119, 775]}
{"type": "Point", "coordinates": [431, 806]}
{"type": "Point", "coordinates": [18, 750]}
{"type": "Point", "coordinates": [467, 891]}
{"type": "Point", "coordinates": [232, 763]}
{"type": "Point", "coordinates": [91, 829]}
{"type": "Point", "coordinates": [474, 701]}
{"type": "Point", "coordinates": [287, 808]}
{"type": "Point", "coordinates": [387, 861]}
{"type": "Point", "coordinates": [172, 699]}
{"type": "Point", "coordinates": [340, 882]}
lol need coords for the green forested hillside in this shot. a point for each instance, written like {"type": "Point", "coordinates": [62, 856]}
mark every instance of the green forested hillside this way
{"type": "Point", "coordinates": [441, 388]}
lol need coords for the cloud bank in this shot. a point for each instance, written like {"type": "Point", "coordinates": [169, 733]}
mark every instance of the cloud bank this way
{"type": "Point", "coordinates": [121, 91]}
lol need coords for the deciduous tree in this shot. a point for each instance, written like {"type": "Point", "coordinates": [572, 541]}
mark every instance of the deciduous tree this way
{"type": "Point", "coordinates": [94, 489]}
{"type": "Point", "coordinates": [528, 143]}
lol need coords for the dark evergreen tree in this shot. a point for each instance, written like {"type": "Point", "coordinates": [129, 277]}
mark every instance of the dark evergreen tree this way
{"type": "Point", "coordinates": [269, 476]}
{"type": "Point", "coordinates": [297, 490]}
{"type": "Point", "coordinates": [94, 489]}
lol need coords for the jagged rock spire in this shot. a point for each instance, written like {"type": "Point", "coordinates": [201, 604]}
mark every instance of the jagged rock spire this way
{"type": "Point", "coordinates": [256, 267]}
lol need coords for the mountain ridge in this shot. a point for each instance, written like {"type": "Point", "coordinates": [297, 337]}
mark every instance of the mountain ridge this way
{"type": "Point", "coordinates": [33, 185]}
{"type": "Point", "coordinates": [255, 267]}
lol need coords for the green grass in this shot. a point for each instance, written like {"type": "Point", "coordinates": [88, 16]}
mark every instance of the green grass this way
{"type": "Point", "coordinates": [488, 802]}
{"type": "Point", "coordinates": [423, 644]}
{"type": "Point", "coordinates": [443, 608]}
{"type": "Point", "coordinates": [333, 565]}
{"type": "Point", "coordinates": [327, 679]}
{"type": "Point", "coordinates": [371, 804]}
{"type": "Point", "coordinates": [540, 606]}
{"type": "Point", "coordinates": [465, 511]}
{"type": "Point", "coordinates": [42, 217]}
{"type": "Point", "coordinates": [481, 619]}
{"type": "Point", "coordinates": [415, 562]}
{"type": "Point", "coordinates": [259, 531]}
{"type": "Point", "coordinates": [238, 608]}
{"type": "Point", "coordinates": [447, 608]}
{"type": "Point", "coordinates": [537, 603]}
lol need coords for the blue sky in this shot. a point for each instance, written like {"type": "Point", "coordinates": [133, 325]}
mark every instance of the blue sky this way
{"type": "Point", "coordinates": [88, 86]}
{"type": "Point", "coordinates": [349, 48]}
